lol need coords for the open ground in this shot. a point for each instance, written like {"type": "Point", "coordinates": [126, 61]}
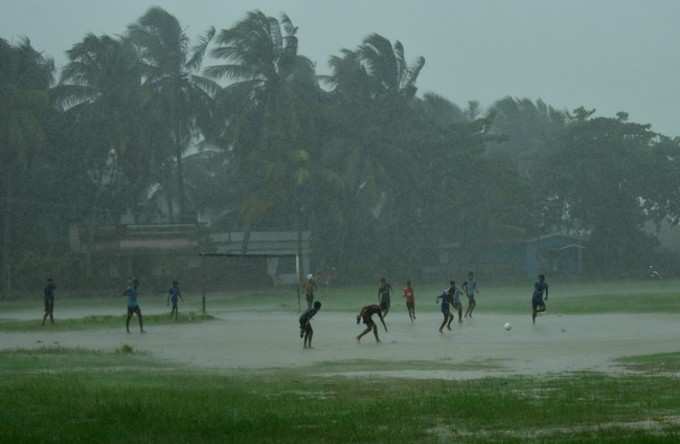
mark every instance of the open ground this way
{"type": "Point", "coordinates": [569, 378]}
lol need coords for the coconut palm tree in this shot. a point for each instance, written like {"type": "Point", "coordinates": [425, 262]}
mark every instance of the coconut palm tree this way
{"type": "Point", "coordinates": [268, 111]}
{"type": "Point", "coordinates": [25, 78]}
{"type": "Point", "coordinates": [170, 68]}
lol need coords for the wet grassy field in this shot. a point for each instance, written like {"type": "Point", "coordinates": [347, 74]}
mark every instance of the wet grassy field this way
{"type": "Point", "coordinates": [62, 395]}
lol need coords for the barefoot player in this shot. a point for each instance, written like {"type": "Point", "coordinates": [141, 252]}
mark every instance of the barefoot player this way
{"type": "Point", "coordinates": [456, 304]}
{"type": "Point", "coordinates": [539, 297]}
{"type": "Point", "coordinates": [49, 301]}
{"type": "Point", "coordinates": [384, 296]}
{"type": "Point", "coordinates": [306, 331]}
{"type": "Point", "coordinates": [174, 296]}
{"type": "Point", "coordinates": [133, 305]}
{"type": "Point", "coordinates": [445, 308]}
{"type": "Point", "coordinates": [410, 301]}
{"type": "Point", "coordinates": [365, 315]}
{"type": "Point", "coordinates": [471, 291]}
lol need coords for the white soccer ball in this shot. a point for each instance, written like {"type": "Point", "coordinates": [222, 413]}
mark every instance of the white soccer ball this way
{"type": "Point", "coordinates": [507, 326]}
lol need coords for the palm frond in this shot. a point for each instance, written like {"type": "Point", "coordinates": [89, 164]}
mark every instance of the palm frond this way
{"type": "Point", "coordinates": [199, 50]}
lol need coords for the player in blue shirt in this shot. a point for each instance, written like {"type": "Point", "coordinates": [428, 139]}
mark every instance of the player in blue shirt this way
{"type": "Point", "coordinates": [537, 298]}
{"type": "Point", "coordinates": [174, 295]}
{"type": "Point", "coordinates": [49, 301]}
{"type": "Point", "coordinates": [133, 305]}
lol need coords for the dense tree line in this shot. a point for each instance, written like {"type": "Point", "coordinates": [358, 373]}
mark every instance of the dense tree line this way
{"type": "Point", "coordinates": [238, 123]}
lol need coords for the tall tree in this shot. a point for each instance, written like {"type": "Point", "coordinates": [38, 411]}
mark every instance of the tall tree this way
{"type": "Point", "coordinates": [170, 68]}
{"type": "Point", "coordinates": [605, 182]}
{"type": "Point", "coordinates": [25, 78]}
{"type": "Point", "coordinates": [266, 114]}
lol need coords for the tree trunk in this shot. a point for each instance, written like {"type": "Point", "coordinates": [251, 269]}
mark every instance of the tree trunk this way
{"type": "Point", "coordinates": [6, 234]}
{"type": "Point", "coordinates": [180, 184]}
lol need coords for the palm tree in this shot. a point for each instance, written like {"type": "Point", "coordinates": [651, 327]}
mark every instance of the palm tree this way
{"type": "Point", "coordinates": [100, 87]}
{"type": "Point", "coordinates": [529, 129]}
{"type": "Point", "coordinates": [267, 113]}
{"type": "Point", "coordinates": [373, 90]}
{"type": "Point", "coordinates": [25, 78]}
{"type": "Point", "coordinates": [170, 67]}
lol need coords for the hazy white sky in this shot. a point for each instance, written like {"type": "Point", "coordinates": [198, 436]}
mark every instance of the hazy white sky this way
{"type": "Point", "coordinates": [607, 54]}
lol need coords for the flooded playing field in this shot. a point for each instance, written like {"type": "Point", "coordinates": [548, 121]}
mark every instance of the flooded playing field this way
{"type": "Point", "coordinates": [475, 348]}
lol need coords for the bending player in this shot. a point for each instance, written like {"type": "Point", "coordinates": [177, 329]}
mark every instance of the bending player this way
{"type": "Point", "coordinates": [537, 299]}
{"type": "Point", "coordinates": [365, 315]}
{"type": "Point", "coordinates": [446, 311]}
{"type": "Point", "coordinates": [173, 296]}
{"type": "Point", "coordinates": [132, 305]}
{"type": "Point", "coordinates": [49, 301]}
{"type": "Point", "coordinates": [306, 331]}
{"type": "Point", "coordinates": [384, 296]}
{"type": "Point", "coordinates": [410, 301]}
{"type": "Point", "coordinates": [471, 290]}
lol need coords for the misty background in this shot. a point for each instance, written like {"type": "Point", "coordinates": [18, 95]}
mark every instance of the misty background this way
{"type": "Point", "coordinates": [363, 139]}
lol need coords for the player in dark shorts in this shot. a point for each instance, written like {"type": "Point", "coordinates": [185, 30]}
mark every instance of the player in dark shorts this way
{"type": "Point", "coordinates": [410, 301]}
{"type": "Point", "coordinates": [538, 299]}
{"type": "Point", "coordinates": [49, 301]}
{"type": "Point", "coordinates": [365, 315]}
{"type": "Point", "coordinates": [306, 331]}
{"type": "Point", "coordinates": [174, 296]}
{"type": "Point", "coordinates": [456, 304]}
{"type": "Point", "coordinates": [446, 310]}
{"type": "Point", "coordinates": [471, 290]}
{"type": "Point", "coordinates": [133, 305]}
{"type": "Point", "coordinates": [384, 296]}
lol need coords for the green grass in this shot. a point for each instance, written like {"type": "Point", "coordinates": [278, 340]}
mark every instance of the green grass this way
{"type": "Point", "coordinates": [655, 363]}
{"type": "Point", "coordinates": [133, 400]}
{"type": "Point", "coordinates": [644, 296]}
{"type": "Point", "coordinates": [103, 321]}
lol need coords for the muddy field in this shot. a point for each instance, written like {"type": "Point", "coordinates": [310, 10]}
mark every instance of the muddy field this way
{"type": "Point", "coordinates": [478, 347]}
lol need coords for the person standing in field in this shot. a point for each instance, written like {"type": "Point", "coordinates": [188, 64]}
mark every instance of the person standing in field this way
{"type": "Point", "coordinates": [366, 315]}
{"type": "Point", "coordinates": [306, 331]}
{"type": "Point", "coordinates": [48, 294]}
{"type": "Point", "coordinates": [410, 301]}
{"type": "Point", "coordinates": [310, 286]}
{"type": "Point", "coordinates": [538, 299]}
{"type": "Point", "coordinates": [456, 304]}
{"type": "Point", "coordinates": [174, 296]}
{"type": "Point", "coordinates": [471, 290]}
{"type": "Point", "coordinates": [133, 305]}
{"type": "Point", "coordinates": [446, 310]}
{"type": "Point", "coordinates": [384, 296]}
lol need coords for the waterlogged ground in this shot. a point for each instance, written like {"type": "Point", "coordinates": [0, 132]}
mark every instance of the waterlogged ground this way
{"type": "Point", "coordinates": [480, 347]}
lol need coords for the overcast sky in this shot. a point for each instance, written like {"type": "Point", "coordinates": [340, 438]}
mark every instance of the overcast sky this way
{"type": "Point", "coordinates": [608, 54]}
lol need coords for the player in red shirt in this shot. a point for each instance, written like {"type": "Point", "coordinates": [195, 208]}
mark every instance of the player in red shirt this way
{"type": "Point", "coordinates": [410, 301]}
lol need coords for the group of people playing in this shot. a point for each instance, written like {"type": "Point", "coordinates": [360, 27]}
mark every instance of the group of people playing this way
{"type": "Point", "coordinates": [449, 301]}
{"type": "Point", "coordinates": [133, 308]}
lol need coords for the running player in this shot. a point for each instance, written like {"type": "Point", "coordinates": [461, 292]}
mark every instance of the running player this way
{"type": "Point", "coordinates": [366, 315]}
{"type": "Point", "coordinates": [310, 286]}
{"type": "Point", "coordinates": [410, 301]}
{"type": "Point", "coordinates": [446, 311]}
{"type": "Point", "coordinates": [537, 299]}
{"type": "Point", "coordinates": [132, 305]}
{"type": "Point", "coordinates": [49, 301]}
{"type": "Point", "coordinates": [306, 331]}
{"type": "Point", "coordinates": [471, 290]}
{"type": "Point", "coordinates": [384, 296]}
{"type": "Point", "coordinates": [174, 296]}
{"type": "Point", "coordinates": [454, 299]}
